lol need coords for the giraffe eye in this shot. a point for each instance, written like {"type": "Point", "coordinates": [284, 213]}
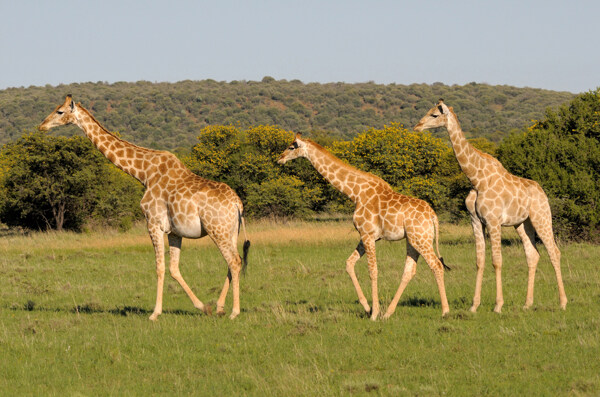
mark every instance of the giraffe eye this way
{"type": "Point", "coordinates": [435, 115]}
{"type": "Point", "coordinates": [59, 112]}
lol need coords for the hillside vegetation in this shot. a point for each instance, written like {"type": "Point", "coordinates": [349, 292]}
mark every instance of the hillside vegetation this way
{"type": "Point", "coordinates": [171, 115]}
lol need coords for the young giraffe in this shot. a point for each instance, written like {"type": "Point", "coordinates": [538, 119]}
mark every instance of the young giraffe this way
{"type": "Point", "coordinates": [499, 199]}
{"type": "Point", "coordinates": [380, 213]}
{"type": "Point", "coordinates": [176, 202]}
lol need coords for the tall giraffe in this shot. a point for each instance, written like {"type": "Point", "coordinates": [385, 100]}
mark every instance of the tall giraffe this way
{"type": "Point", "coordinates": [380, 213]}
{"type": "Point", "coordinates": [499, 199]}
{"type": "Point", "coordinates": [176, 202]}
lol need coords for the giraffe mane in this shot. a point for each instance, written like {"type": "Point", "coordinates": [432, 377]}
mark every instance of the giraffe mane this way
{"type": "Point", "coordinates": [483, 154]}
{"type": "Point", "coordinates": [451, 109]}
{"type": "Point", "coordinates": [341, 162]}
{"type": "Point", "coordinates": [87, 112]}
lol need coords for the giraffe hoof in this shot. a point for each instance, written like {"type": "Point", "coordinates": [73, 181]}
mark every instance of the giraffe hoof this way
{"type": "Point", "coordinates": [220, 312]}
{"type": "Point", "coordinates": [498, 309]}
{"type": "Point", "coordinates": [386, 316]}
{"type": "Point", "coordinates": [527, 306]}
{"type": "Point", "coordinates": [153, 317]}
{"type": "Point", "coordinates": [233, 315]}
{"type": "Point", "coordinates": [446, 313]}
{"type": "Point", "coordinates": [563, 305]}
{"type": "Point", "coordinates": [207, 309]}
{"type": "Point", "coordinates": [473, 309]}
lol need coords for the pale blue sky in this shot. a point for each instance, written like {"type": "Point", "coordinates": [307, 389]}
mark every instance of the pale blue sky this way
{"type": "Point", "coordinates": [548, 44]}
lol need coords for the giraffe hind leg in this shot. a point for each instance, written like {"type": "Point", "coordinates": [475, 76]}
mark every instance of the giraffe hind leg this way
{"type": "Point", "coordinates": [350, 262]}
{"type": "Point", "coordinates": [542, 222]}
{"type": "Point", "coordinates": [234, 263]}
{"type": "Point", "coordinates": [223, 295]}
{"type": "Point", "coordinates": [425, 248]}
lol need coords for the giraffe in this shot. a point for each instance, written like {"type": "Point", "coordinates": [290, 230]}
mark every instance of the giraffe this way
{"type": "Point", "coordinates": [380, 213]}
{"type": "Point", "coordinates": [176, 202]}
{"type": "Point", "coordinates": [498, 199]}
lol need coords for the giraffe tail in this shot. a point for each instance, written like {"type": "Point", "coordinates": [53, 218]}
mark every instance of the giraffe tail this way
{"type": "Point", "coordinates": [436, 225]}
{"type": "Point", "coordinates": [246, 247]}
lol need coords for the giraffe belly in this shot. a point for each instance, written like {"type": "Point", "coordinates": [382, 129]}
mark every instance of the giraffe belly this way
{"type": "Point", "coordinates": [394, 235]}
{"type": "Point", "coordinates": [393, 232]}
{"type": "Point", "coordinates": [188, 228]}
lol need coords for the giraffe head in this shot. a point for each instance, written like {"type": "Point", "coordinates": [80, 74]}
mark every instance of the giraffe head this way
{"type": "Point", "coordinates": [63, 114]}
{"type": "Point", "coordinates": [295, 150]}
{"type": "Point", "coordinates": [437, 116]}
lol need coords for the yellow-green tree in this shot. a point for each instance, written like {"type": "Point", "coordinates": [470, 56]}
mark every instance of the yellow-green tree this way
{"type": "Point", "coordinates": [412, 163]}
{"type": "Point", "coordinates": [246, 161]}
{"type": "Point", "coordinates": [415, 164]}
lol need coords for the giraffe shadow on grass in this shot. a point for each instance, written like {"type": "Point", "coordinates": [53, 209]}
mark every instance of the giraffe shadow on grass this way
{"type": "Point", "coordinates": [90, 308]}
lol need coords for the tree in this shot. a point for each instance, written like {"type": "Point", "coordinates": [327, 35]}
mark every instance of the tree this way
{"type": "Point", "coordinates": [56, 182]}
{"type": "Point", "coordinates": [562, 153]}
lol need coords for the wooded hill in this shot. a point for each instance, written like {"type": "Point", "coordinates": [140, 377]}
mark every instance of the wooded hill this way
{"type": "Point", "coordinates": [170, 115]}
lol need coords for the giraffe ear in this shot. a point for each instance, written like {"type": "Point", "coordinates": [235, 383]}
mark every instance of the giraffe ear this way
{"type": "Point", "coordinates": [72, 105]}
{"type": "Point", "coordinates": [298, 135]}
{"type": "Point", "coordinates": [441, 109]}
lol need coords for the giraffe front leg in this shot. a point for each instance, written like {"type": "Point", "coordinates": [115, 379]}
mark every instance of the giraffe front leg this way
{"type": "Point", "coordinates": [174, 253]}
{"type": "Point", "coordinates": [350, 262]}
{"type": "Point", "coordinates": [410, 268]}
{"type": "Point", "coordinates": [369, 244]}
{"type": "Point", "coordinates": [157, 237]}
{"type": "Point", "coordinates": [496, 242]}
{"type": "Point", "coordinates": [479, 248]}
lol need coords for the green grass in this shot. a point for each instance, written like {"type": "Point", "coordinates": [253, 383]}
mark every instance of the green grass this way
{"type": "Point", "coordinates": [74, 320]}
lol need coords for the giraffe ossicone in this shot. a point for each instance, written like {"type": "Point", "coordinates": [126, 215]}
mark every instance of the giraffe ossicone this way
{"type": "Point", "coordinates": [499, 199]}
{"type": "Point", "coordinates": [380, 213]}
{"type": "Point", "coordinates": [176, 202]}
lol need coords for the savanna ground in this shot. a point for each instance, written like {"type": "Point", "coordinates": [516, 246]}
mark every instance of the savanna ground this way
{"type": "Point", "coordinates": [74, 320]}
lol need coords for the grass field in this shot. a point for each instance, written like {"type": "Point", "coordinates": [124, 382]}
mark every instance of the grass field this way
{"type": "Point", "coordinates": [74, 320]}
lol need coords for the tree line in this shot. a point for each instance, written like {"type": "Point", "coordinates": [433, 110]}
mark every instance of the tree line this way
{"type": "Point", "coordinates": [53, 182]}
{"type": "Point", "coordinates": [169, 115]}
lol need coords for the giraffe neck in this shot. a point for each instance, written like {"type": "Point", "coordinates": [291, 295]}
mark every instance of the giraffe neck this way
{"type": "Point", "coordinates": [342, 176]}
{"type": "Point", "coordinates": [120, 152]}
{"type": "Point", "coordinates": [471, 160]}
